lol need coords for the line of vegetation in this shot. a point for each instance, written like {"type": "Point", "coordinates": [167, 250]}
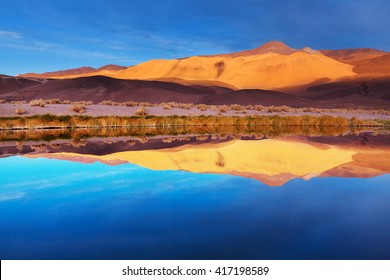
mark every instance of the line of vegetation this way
{"type": "Point", "coordinates": [49, 121]}
{"type": "Point", "coordinates": [220, 109]}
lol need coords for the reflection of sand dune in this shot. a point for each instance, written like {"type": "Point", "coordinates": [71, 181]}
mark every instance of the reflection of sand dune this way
{"type": "Point", "coordinates": [273, 162]}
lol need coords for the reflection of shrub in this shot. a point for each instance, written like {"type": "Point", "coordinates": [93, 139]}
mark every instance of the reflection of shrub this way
{"type": "Point", "coordinates": [141, 111]}
{"type": "Point", "coordinates": [85, 103]}
{"type": "Point", "coordinates": [78, 108]}
{"type": "Point", "coordinates": [20, 111]}
{"type": "Point", "coordinates": [38, 102]}
{"type": "Point", "coordinates": [168, 140]}
{"type": "Point", "coordinates": [143, 139]}
{"type": "Point", "coordinates": [131, 143]}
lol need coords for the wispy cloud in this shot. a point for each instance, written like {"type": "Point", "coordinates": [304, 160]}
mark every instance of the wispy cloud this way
{"type": "Point", "coordinates": [5, 197]}
{"type": "Point", "coordinates": [63, 50]}
{"type": "Point", "coordinates": [10, 35]}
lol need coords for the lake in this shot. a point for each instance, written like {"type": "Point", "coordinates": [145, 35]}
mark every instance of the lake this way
{"type": "Point", "coordinates": [195, 196]}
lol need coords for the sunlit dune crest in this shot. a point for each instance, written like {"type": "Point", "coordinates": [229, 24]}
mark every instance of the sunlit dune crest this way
{"type": "Point", "coordinates": [271, 161]}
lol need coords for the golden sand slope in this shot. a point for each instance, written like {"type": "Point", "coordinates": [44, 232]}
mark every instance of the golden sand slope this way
{"type": "Point", "coordinates": [261, 71]}
{"type": "Point", "coordinates": [271, 161]}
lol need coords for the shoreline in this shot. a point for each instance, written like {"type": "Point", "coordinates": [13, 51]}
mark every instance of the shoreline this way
{"type": "Point", "coordinates": [50, 122]}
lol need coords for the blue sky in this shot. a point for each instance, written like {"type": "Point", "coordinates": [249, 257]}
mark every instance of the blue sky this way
{"type": "Point", "coordinates": [43, 35]}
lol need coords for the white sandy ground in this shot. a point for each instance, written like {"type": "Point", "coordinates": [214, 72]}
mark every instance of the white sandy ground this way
{"type": "Point", "coordinates": [106, 110]}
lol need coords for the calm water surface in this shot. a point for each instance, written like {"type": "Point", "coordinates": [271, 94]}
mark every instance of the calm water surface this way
{"type": "Point", "coordinates": [53, 208]}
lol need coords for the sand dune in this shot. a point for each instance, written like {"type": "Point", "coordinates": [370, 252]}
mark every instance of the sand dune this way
{"type": "Point", "coordinates": [261, 71]}
{"type": "Point", "coordinates": [271, 66]}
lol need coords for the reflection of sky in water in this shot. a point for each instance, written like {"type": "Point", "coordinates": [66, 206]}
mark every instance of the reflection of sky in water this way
{"type": "Point", "coordinates": [59, 209]}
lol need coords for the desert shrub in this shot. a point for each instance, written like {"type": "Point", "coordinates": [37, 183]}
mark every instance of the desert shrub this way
{"type": "Point", "coordinates": [20, 111]}
{"type": "Point", "coordinates": [166, 107]}
{"type": "Point", "coordinates": [258, 107]}
{"type": "Point", "coordinates": [172, 104]}
{"type": "Point", "coordinates": [18, 103]}
{"type": "Point", "coordinates": [78, 108]}
{"type": "Point", "coordinates": [85, 103]}
{"type": "Point", "coordinates": [107, 102]}
{"type": "Point", "coordinates": [278, 109]}
{"type": "Point", "coordinates": [131, 104]}
{"type": "Point", "coordinates": [66, 102]}
{"type": "Point", "coordinates": [186, 106]}
{"type": "Point", "coordinates": [236, 107]}
{"type": "Point", "coordinates": [54, 101]}
{"type": "Point", "coordinates": [224, 108]}
{"type": "Point", "coordinates": [38, 102]}
{"type": "Point", "coordinates": [146, 104]}
{"type": "Point", "coordinates": [2, 101]}
{"type": "Point", "coordinates": [141, 112]}
{"type": "Point", "coordinates": [312, 110]}
{"type": "Point", "coordinates": [202, 107]}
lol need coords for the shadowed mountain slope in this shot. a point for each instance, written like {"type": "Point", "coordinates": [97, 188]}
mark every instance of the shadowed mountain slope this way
{"type": "Point", "coordinates": [352, 56]}
{"type": "Point", "coordinates": [75, 71]}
